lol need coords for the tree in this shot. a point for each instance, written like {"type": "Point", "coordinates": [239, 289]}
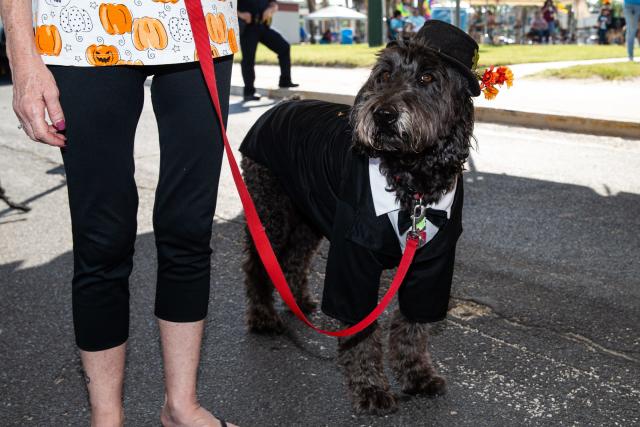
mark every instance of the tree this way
{"type": "Point", "coordinates": [311, 4]}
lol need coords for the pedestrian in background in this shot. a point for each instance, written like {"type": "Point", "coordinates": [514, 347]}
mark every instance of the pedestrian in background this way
{"type": "Point", "coordinates": [539, 27]}
{"type": "Point", "coordinates": [396, 24]}
{"type": "Point", "coordinates": [631, 16]}
{"type": "Point", "coordinates": [255, 27]}
{"type": "Point", "coordinates": [549, 12]}
{"type": "Point", "coordinates": [93, 96]}
{"type": "Point", "coordinates": [604, 22]}
{"type": "Point", "coordinates": [327, 37]}
{"type": "Point", "coordinates": [491, 26]}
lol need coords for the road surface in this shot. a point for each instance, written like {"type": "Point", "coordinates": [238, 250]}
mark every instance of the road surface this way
{"type": "Point", "coordinates": [543, 328]}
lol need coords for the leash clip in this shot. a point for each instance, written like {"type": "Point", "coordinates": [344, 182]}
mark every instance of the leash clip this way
{"type": "Point", "coordinates": [418, 222]}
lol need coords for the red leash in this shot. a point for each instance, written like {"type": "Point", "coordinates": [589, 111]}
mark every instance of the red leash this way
{"type": "Point", "coordinates": [263, 247]}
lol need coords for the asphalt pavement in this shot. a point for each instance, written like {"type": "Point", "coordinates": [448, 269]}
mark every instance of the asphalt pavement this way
{"type": "Point", "coordinates": [543, 327]}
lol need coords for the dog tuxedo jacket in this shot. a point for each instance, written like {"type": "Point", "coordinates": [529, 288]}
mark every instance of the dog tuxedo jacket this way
{"type": "Point", "coordinates": [307, 146]}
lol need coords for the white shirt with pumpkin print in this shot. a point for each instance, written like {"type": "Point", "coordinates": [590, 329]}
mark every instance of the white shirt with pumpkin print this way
{"type": "Point", "coordinates": [131, 32]}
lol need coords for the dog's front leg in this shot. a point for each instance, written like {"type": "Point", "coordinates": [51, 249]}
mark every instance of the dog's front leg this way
{"type": "Point", "coordinates": [262, 317]}
{"type": "Point", "coordinates": [362, 358]}
{"type": "Point", "coordinates": [410, 359]}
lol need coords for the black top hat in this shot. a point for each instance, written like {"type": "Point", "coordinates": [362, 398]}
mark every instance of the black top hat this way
{"type": "Point", "coordinates": [453, 45]}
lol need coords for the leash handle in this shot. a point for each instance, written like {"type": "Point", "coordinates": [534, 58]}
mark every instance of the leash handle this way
{"type": "Point", "coordinates": [256, 229]}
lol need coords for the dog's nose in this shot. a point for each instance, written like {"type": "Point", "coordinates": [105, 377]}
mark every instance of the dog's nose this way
{"type": "Point", "coordinates": [385, 116]}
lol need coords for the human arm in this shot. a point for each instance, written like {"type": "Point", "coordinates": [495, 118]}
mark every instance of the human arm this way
{"type": "Point", "coordinates": [34, 88]}
{"type": "Point", "coordinates": [245, 16]}
{"type": "Point", "coordinates": [270, 10]}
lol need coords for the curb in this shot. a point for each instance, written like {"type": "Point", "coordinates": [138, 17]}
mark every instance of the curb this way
{"type": "Point", "coordinates": [556, 122]}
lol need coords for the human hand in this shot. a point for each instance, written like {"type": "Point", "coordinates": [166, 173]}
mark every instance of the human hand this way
{"type": "Point", "coordinates": [34, 93]}
{"type": "Point", "coordinates": [245, 16]}
{"type": "Point", "coordinates": [268, 13]}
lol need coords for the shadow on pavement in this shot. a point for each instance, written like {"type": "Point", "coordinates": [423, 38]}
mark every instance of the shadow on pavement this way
{"type": "Point", "coordinates": [58, 170]}
{"type": "Point", "coordinates": [243, 107]}
{"type": "Point", "coordinates": [543, 328]}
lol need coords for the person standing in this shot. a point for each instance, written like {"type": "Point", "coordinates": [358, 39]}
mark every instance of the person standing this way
{"type": "Point", "coordinates": [86, 70]}
{"type": "Point", "coordinates": [549, 11]}
{"type": "Point", "coordinates": [255, 27]}
{"type": "Point", "coordinates": [396, 24]}
{"type": "Point", "coordinates": [631, 17]}
{"type": "Point", "coordinates": [604, 22]}
{"type": "Point", "coordinates": [491, 26]}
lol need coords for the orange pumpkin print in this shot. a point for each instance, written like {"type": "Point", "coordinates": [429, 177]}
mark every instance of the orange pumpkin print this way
{"type": "Point", "coordinates": [124, 62]}
{"type": "Point", "coordinates": [129, 32]}
{"type": "Point", "coordinates": [115, 18]}
{"type": "Point", "coordinates": [102, 55]}
{"type": "Point", "coordinates": [149, 33]}
{"type": "Point", "coordinates": [217, 27]}
{"type": "Point", "coordinates": [233, 42]}
{"type": "Point", "coordinates": [214, 53]}
{"type": "Point", "coordinates": [48, 41]}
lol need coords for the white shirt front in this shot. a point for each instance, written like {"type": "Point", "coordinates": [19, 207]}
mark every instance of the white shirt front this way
{"type": "Point", "coordinates": [385, 202]}
{"type": "Point", "coordinates": [88, 33]}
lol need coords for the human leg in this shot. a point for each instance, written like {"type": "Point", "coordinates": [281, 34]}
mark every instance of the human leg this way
{"type": "Point", "coordinates": [190, 161]}
{"type": "Point", "coordinates": [631, 16]}
{"type": "Point", "coordinates": [249, 44]}
{"type": "Point", "coordinates": [274, 41]}
{"type": "Point", "coordinates": [103, 202]}
{"type": "Point", "coordinates": [602, 36]}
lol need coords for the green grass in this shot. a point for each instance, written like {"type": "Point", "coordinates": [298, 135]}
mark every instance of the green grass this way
{"type": "Point", "coordinates": [364, 56]}
{"type": "Point", "coordinates": [616, 71]}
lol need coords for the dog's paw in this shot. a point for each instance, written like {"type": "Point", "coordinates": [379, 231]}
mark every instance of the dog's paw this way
{"type": "Point", "coordinates": [431, 386]}
{"type": "Point", "coordinates": [260, 322]}
{"type": "Point", "coordinates": [375, 401]}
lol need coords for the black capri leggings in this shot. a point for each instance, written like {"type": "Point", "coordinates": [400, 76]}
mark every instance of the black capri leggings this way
{"type": "Point", "coordinates": [102, 106]}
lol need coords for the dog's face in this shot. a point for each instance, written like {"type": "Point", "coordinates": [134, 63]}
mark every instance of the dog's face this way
{"type": "Point", "coordinates": [410, 102]}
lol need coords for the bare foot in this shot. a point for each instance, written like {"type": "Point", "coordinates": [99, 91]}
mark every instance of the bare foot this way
{"type": "Point", "coordinates": [195, 417]}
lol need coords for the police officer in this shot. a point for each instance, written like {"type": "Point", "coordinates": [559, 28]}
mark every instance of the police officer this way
{"type": "Point", "coordinates": [255, 20]}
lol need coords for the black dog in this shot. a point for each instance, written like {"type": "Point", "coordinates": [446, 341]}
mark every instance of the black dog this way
{"type": "Point", "coordinates": [312, 168]}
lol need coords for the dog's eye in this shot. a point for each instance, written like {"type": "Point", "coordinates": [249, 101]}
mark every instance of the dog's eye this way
{"type": "Point", "coordinates": [386, 76]}
{"type": "Point", "coordinates": [426, 78]}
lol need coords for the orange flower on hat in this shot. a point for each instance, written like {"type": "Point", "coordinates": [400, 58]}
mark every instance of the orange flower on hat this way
{"type": "Point", "coordinates": [490, 92]}
{"type": "Point", "coordinates": [488, 77]}
{"type": "Point", "coordinates": [492, 77]}
{"type": "Point", "coordinates": [504, 75]}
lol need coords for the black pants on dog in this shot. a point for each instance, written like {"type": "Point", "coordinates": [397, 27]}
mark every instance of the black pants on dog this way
{"type": "Point", "coordinates": [102, 106]}
{"type": "Point", "coordinates": [250, 36]}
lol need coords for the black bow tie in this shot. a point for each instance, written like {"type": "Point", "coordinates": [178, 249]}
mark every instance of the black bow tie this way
{"type": "Point", "coordinates": [434, 216]}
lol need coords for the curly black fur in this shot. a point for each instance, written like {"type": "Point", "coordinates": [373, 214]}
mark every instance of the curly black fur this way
{"type": "Point", "coordinates": [423, 143]}
{"type": "Point", "coordinates": [409, 357]}
{"type": "Point", "coordinates": [362, 358]}
{"type": "Point", "coordinates": [425, 149]}
{"type": "Point", "coordinates": [293, 241]}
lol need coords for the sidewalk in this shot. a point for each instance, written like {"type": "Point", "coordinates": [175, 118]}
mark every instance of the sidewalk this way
{"type": "Point", "coordinates": [592, 106]}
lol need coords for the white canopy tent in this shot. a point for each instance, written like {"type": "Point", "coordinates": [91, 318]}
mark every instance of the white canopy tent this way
{"type": "Point", "coordinates": [332, 16]}
{"type": "Point", "coordinates": [332, 13]}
